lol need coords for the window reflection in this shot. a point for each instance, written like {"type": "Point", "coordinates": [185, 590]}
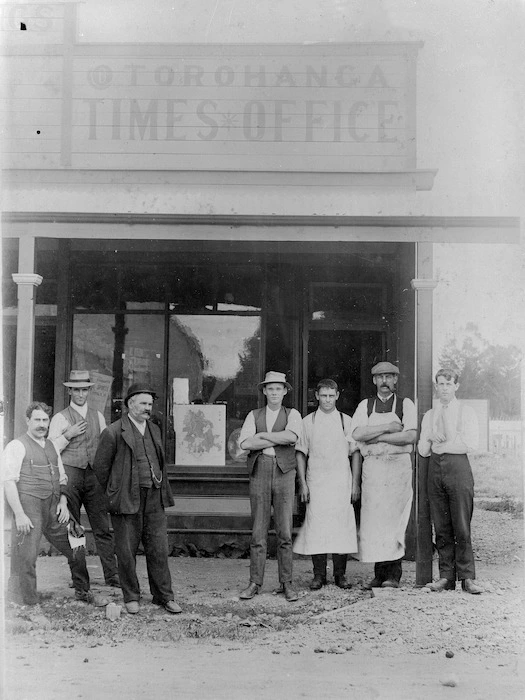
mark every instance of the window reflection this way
{"type": "Point", "coordinates": [219, 356]}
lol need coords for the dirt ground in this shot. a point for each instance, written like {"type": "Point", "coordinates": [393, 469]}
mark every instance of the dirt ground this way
{"type": "Point", "coordinates": [407, 643]}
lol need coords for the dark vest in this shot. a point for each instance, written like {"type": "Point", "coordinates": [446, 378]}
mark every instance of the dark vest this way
{"type": "Point", "coordinates": [146, 458]}
{"type": "Point", "coordinates": [81, 450]}
{"type": "Point", "coordinates": [39, 476]}
{"type": "Point", "coordinates": [284, 454]}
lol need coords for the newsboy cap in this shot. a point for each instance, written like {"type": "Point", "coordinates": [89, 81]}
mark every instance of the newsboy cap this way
{"type": "Point", "coordinates": [139, 388]}
{"type": "Point", "coordinates": [275, 377]}
{"type": "Point", "coordinates": [385, 368]}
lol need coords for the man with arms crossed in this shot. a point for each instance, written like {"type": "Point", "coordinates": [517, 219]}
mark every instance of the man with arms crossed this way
{"type": "Point", "coordinates": [448, 432]}
{"type": "Point", "coordinates": [385, 428]}
{"type": "Point", "coordinates": [270, 434]}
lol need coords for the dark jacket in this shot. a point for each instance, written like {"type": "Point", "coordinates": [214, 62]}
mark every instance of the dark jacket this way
{"type": "Point", "coordinates": [116, 468]}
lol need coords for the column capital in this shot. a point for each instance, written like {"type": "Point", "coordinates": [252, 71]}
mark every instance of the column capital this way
{"type": "Point", "coordinates": [423, 284]}
{"type": "Point", "coordinates": [27, 278]}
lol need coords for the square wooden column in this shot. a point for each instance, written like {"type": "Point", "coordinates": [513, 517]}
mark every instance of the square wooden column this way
{"type": "Point", "coordinates": [423, 286]}
{"type": "Point", "coordinates": [27, 281]}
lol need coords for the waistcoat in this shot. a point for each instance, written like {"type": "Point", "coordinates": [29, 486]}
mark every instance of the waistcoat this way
{"type": "Point", "coordinates": [146, 458]}
{"type": "Point", "coordinates": [39, 474]}
{"type": "Point", "coordinates": [284, 454]}
{"type": "Point", "coordinates": [81, 450]}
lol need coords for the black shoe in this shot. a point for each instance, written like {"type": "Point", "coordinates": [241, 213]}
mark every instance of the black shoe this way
{"type": "Point", "coordinates": [341, 582]}
{"type": "Point", "coordinates": [250, 591]}
{"type": "Point", "coordinates": [374, 583]}
{"type": "Point", "coordinates": [289, 592]}
{"type": "Point", "coordinates": [114, 582]}
{"type": "Point", "coordinates": [442, 584]}
{"type": "Point", "coordinates": [468, 585]}
{"type": "Point", "coordinates": [390, 583]}
{"type": "Point", "coordinates": [317, 582]}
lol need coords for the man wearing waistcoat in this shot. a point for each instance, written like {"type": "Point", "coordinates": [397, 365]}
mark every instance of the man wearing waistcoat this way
{"type": "Point", "coordinates": [75, 432]}
{"type": "Point", "coordinates": [35, 486]}
{"type": "Point", "coordinates": [270, 434]}
{"type": "Point", "coordinates": [131, 468]}
{"type": "Point", "coordinates": [448, 432]}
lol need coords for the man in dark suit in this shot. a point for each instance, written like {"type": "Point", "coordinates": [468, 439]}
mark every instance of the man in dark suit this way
{"type": "Point", "coordinates": [130, 465]}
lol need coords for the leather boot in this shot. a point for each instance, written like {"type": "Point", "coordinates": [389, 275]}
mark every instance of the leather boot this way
{"type": "Point", "coordinates": [319, 579]}
{"type": "Point", "coordinates": [339, 562]}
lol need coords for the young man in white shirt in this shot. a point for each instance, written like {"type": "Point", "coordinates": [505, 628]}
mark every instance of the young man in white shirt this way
{"type": "Point", "coordinates": [448, 432]}
{"type": "Point", "coordinates": [270, 434]}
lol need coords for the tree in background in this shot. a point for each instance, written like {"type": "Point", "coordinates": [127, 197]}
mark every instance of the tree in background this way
{"type": "Point", "coordinates": [487, 371]}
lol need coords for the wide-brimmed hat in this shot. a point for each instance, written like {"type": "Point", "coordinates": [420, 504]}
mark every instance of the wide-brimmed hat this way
{"type": "Point", "coordinates": [273, 378]}
{"type": "Point", "coordinates": [139, 388]}
{"type": "Point", "coordinates": [385, 368]}
{"type": "Point", "coordinates": [79, 378]}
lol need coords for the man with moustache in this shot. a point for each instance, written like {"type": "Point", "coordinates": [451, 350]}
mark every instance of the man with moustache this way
{"type": "Point", "coordinates": [270, 434]}
{"type": "Point", "coordinates": [131, 468]}
{"type": "Point", "coordinates": [35, 486]}
{"type": "Point", "coordinates": [75, 432]}
{"type": "Point", "coordinates": [385, 428]}
{"type": "Point", "coordinates": [448, 432]}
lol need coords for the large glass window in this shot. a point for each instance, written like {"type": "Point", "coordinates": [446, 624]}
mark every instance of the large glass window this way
{"type": "Point", "coordinates": [213, 360]}
{"type": "Point", "coordinates": [120, 350]}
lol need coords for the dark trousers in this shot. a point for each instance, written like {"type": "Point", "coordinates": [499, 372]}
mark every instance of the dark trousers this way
{"type": "Point", "coordinates": [338, 560]}
{"type": "Point", "coordinates": [270, 487]}
{"type": "Point", "coordinates": [84, 488]}
{"type": "Point", "coordinates": [43, 515]}
{"type": "Point", "coordinates": [388, 570]}
{"type": "Point", "coordinates": [451, 496]}
{"type": "Point", "coordinates": [149, 527]}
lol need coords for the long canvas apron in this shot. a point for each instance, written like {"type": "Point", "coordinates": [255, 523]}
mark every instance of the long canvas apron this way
{"type": "Point", "coordinates": [386, 496]}
{"type": "Point", "coordinates": [329, 526]}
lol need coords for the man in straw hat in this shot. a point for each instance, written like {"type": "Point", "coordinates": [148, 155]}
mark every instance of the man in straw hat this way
{"type": "Point", "coordinates": [270, 434]}
{"type": "Point", "coordinates": [75, 432]}
{"type": "Point", "coordinates": [385, 428]}
{"type": "Point", "coordinates": [131, 468]}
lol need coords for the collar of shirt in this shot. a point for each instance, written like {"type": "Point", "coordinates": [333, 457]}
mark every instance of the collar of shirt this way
{"type": "Point", "coordinates": [450, 404]}
{"type": "Point", "coordinates": [141, 427]}
{"type": "Point", "coordinates": [80, 409]}
{"type": "Point", "coordinates": [40, 441]}
{"type": "Point", "coordinates": [385, 400]}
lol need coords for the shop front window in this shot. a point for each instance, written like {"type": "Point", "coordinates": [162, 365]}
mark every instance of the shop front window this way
{"type": "Point", "coordinates": [120, 350]}
{"type": "Point", "coordinates": [213, 370]}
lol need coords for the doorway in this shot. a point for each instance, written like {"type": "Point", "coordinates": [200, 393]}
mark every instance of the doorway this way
{"type": "Point", "coordinates": [345, 355]}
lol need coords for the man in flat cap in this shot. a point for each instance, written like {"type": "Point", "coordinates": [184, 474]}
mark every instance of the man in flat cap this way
{"type": "Point", "coordinates": [131, 468]}
{"type": "Point", "coordinates": [270, 434]}
{"type": "Point", "coordinates": [385, 428]}
{"type": "Point", "coordinates": [75, 432]}
{"type": "Point", "coordinates": [448, 432]}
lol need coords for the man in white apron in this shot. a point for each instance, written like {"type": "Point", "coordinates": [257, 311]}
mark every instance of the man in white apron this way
{"type": "Point", "coordinates": [328, 486]}
{"type": "Point", "coordinates": [448, 432]}
{"type": "Point", "coordinates": [385, 428]}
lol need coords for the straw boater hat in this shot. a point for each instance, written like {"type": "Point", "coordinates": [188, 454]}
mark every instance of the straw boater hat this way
{"type": "Point", "coordinates": [79, 378]}
{"type": "Point", "coordinates": [385, 368]}
{"type": "Point", "coordinates": [139, 388]}
{"type": "Point", "coordinates": [275, 377]}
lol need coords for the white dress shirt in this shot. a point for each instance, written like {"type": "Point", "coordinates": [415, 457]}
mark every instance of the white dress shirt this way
{"type": "Point", "coordinates": [462, 423]}
{"type": "Point", "coordinates": [13, 457]}
{"type": "Point", "coordinates": [59, 424]}
{"type": "Point", "coordinates": [294, 423]}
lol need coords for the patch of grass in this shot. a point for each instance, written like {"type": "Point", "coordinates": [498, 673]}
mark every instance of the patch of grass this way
{"type": "Point", "coordinates": [503, 505]}
{"type": "Point", "coordinates": [498, 476]}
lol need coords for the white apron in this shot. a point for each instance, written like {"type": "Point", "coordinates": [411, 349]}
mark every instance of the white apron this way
{"type": "Point", "coordinates": [329, 526]}
{"type": "Point", "coordinates": [386, 496]}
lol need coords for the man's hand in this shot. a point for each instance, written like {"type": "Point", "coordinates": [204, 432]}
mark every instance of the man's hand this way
{"type": "Point", "coordinates": [437, 437]}
{"type": "Point", "coordinates": [356, 493]}
{"type": "Point", "coordinates": [394, 427]}
{"type": "Point", "coordinates": [75, 430]}
{"type": "Point", "coordinates": [23, 523]}
{"type": "Point", "coordinates": [62, 511]}
{"type": "Point", "coordinates": [304, 493]}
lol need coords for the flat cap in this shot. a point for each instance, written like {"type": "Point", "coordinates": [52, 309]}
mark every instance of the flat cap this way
{"type": "Point", "coordinates": [385, 368]}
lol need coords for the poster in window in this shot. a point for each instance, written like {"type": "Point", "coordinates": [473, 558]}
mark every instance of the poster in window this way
{"type": "Point", "coordinates": [200, 434]}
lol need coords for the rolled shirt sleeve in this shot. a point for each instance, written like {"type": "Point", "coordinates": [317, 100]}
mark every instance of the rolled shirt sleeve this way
{"type": "Point", "coordinates": [424, 445]}
{"type": "Point", "coordinates": [12, 459]}
{"type": "Point", "coordinates": [248, 429]}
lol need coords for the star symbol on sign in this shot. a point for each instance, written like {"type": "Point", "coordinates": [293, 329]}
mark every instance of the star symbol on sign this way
{"type": "Point", "coordinates": [229, 120]}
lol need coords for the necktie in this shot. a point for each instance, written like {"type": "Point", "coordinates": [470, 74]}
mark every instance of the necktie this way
{"type": "Point", "coordinates": [447, 428]}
